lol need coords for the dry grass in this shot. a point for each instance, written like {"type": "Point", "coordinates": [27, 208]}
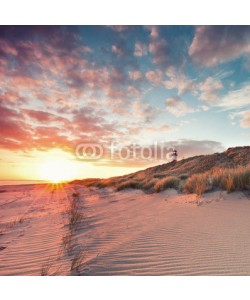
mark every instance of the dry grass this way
{"type": "Point", "coordinates": [74, 217]}
{"type": "Point", "coordinates": [211, 171]}
{"type": "Point", "coordinates": [69, 243]}
{"type": "Point", "coordinates": [46, 268]}
{"type": "Point", "coordinates": [77, 262]}
{"type": "Point", "coordinates": [235, 179]}
{"type": "Point", "coordinates": [148, 184]}
{"type": "Point", "coordinates": [73, 212]}
{"type": "Point", "coordinates": [166, 183]}
{"type": "Point", "coordinates": [197, 184]}
{"type": "Point", "coordinates": [129, 184]}
{"type": "Point", "coordinates": [229, 179]}
{"type": "Point", "coordinates": [75, 194]}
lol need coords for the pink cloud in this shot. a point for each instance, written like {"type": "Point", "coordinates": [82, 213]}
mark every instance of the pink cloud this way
{"type": "Point", "coordinates": [178, 107]}
{"type": "Point", "coordinates": [209, 90]}
{"type": "Point", "coordinates": [13, 129]}
{"type": "Point", "coordinates": [245, 121]}
{"type": "Point", "coordinates": [216, 44]}
{"type": "Point", "coordinates": [155, 77]}
{"type": "Point", "coordinates": [116, 49]}
{"type": "Point", "coordinates": [42, 116]}
{"type": "Point", "coordinates": [140, 49]}
{"type": "Point", "coordinates": [179, 81]}
{"type": "Point", "coordinates": [154, 30]}
{"type": "Point", "coordinates": [6, 48]}
{"type": "Point", "coordinates": [144, 112]}
{"type": "Point", "coordinates": [159, 50]}
{"type": "Point", "coordinates": [135, 75]}
{"type": "Point", "coordinates": [119, 28]}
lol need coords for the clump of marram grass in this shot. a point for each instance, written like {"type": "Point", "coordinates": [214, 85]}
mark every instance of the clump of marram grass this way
{"type": "Point", "coordinates": [129, 184]}
{"type": "Point", "coordinates": [183, 177]}
{"type": "Point", "coordinates": [198, 184]}
{"type": "Point", "coordinates": [166, 183]}
{"type": "Point", "coordinates": [77, 262]}
{"type": "Point", "coordinates": [73, 212]}
{"type": "Point", "coordinates": [149, 184]}
{"type": "Point", "coordinates": [75, 194]}
{"type": "Point", "coordinates": [235, 179]}
{"type": "Point", "coordinates": [74, 216]}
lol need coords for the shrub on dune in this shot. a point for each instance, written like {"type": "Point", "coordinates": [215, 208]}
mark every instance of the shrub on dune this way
{"type": "Point", "coordinates": [166, 183]}
{"type": "Point", "coordinates": [226, 179]}
{"type": "Point", "coordinates": [235, 179]}
{"type": "Point", "coordinates": [129, 184]}
{"type": "Point", "coordinates": [148, 184]}
{"type": "Point", "coordinates": [197, 184]}
{"type": "Point", "coordinates": [183, 177]}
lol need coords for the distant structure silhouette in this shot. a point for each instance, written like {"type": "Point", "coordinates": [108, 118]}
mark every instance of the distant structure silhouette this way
{"type": "Point", "coordinates": [174, 155]}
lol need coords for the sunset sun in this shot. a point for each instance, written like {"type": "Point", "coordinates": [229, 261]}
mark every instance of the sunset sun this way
{"type": "Point", "coordinates": [57, 170]}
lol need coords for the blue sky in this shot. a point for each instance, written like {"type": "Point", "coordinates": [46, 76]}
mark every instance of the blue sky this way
{"type": "Point", "coordinates": [188, 86]}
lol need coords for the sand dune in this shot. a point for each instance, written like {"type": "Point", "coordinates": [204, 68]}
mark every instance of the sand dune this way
{"type": "Point", "coordinates": [122, 233]}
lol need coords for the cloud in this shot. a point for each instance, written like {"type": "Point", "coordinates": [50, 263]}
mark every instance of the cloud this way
{"type": "Point", "coordinates": [118, 50]}
{"type": "Point", "coordinates": [179, 81]}
{"type": "Point", "coordinates": [154, 30]}
{"type": "Point", "coordinates": [140, 49]}
{"type": "Point", "coordinates": [245, 121]}
{"type": "Point", "coordinates": [7, 49]}
{"type": "Point", "coordinates": [133, 91]}
{"type": "Point", "coordinates": [57, 90]}
{"type": "Point", "coordinates": [15, 133]}
{"type": "Point", "coordinates": [209, 90]}
{"type": "Point", "coordinates": [149, 129]}
{"type": "Point", "coordinates": [159, 49]}
{"type": "Point", "coordinates": [188, 148]}
{"type": "Point", "coordinates": [135, 75]}
{"type": "Point", "coordinates": [204, 107]}
{"type": "Point", "coordinates": [144, 111]}
{"type": "Point", "coordinates": [118, 105]}
{"type": "Point", "coordinates": [236, 99]}
{"type": "Point", "coordinates": [172, 79]}
{"type": "Point", "coordinates": [178, 107]}
{"type": "Point", "coordinates": [44, 117]}
{"type": "Point", "coordinates": [212, 45]}
{"type": "Point", "coordinates": [11, 97]}
{"type": "Point", "coordinates": [85, 120]}
{"type": "Point", "coordinates": [119, 28]}
{"type": "Point", "coordinates": [155, 77]}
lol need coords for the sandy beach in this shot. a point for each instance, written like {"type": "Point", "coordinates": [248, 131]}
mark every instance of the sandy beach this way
{"type": "Point", "coordinates": [122, 233]}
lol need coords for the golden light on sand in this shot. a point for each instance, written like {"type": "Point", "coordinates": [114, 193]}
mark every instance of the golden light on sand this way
{"type": "Point", "coordinates": [57, 170]}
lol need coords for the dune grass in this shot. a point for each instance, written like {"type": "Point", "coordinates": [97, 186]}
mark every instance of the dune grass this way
{"type": "Point", "coordinates": [77, 262]}
{"type": "Point", "coordinates": [230, 180]}
{"type": "Point", "coordinates": [129, 184]}
{"type": "Point", "coordinates": [166, 183]}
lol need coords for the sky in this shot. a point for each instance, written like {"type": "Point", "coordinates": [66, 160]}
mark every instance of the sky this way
{"type": "Point", "coordinates": [75, 101]}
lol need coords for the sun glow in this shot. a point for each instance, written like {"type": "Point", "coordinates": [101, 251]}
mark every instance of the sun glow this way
{"type": "Point", "coordinates": [57, 170]}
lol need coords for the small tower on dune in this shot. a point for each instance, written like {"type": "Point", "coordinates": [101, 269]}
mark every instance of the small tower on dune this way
{"type": "Point", "coordinates": [174, 155]}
